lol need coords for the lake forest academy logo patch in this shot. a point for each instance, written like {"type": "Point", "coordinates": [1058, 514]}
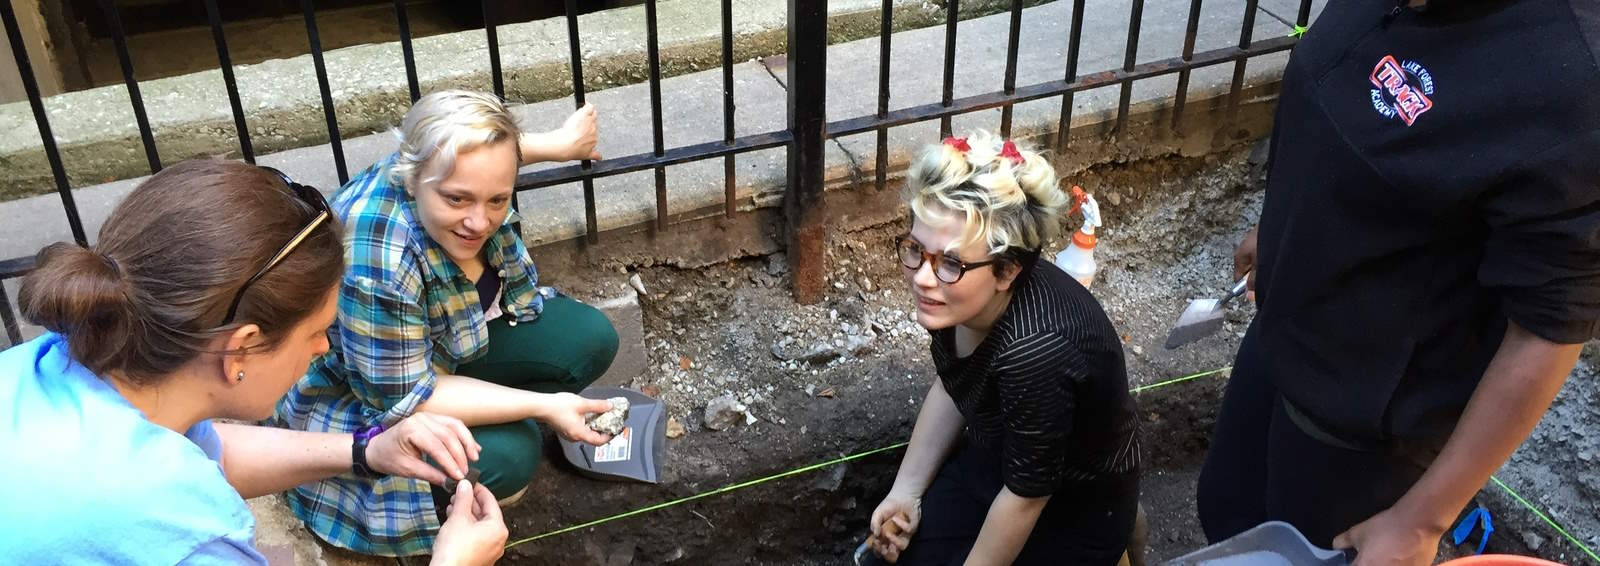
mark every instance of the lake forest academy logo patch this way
{"type": "Point", "coordinates": [1401, 90]}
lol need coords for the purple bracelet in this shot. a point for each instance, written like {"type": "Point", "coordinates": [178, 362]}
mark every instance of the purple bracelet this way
{"type": "Point", "coordinates": [358, 450]}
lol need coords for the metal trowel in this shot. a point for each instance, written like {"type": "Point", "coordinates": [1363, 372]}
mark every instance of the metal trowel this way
{"type": "Point", "coordinates": [1203, 317]}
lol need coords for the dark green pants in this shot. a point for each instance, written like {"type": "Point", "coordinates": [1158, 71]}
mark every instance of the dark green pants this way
{"type": "Point", "coordinates": [568, 348]}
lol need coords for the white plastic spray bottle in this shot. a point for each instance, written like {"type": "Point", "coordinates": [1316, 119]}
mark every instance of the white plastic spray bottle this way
{"type": "Point", "coordinates": [1078, 257]}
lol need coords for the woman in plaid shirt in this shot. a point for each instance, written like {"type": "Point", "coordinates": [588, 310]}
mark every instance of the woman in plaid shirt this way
{"type": "Point", "coordinates": [177, 317]}
{"type": "Point", "coordinates": [440, 311]}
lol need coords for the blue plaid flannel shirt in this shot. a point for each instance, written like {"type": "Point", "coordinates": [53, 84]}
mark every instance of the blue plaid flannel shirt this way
{"type": "Point", "coordinates": [406, 315]}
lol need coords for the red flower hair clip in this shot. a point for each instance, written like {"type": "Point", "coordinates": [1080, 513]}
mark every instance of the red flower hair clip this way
{"type": "Point", "coordinates": [960, 144]}
{"type": "Point", "coordinates": [1009, 151]}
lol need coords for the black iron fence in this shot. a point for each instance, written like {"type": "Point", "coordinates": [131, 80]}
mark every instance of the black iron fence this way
{"type": "Point", "coordinates": [804, 136]}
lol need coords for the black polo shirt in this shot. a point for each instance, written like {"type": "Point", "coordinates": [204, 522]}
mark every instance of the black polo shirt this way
{"type": "Point", "coordinates": [1435, 172]}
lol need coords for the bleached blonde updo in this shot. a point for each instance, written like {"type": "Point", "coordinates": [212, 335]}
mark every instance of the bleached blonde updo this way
{"type": "Point", "coordinates": [1013, 207]}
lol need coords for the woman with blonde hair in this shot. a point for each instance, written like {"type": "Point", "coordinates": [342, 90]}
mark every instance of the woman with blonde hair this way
{"type": "Point", "coordinates": [1026, 449]}
{"type": "Point", "coordinates": [440, 311]}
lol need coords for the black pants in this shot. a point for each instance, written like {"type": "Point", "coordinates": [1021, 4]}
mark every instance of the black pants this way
{"type": "Point", "coordinates": [1262, 466]}
{"type": "Point", "coordinates": [1086, 523]}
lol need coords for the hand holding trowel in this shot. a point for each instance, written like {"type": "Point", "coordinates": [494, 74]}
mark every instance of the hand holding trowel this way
{"type": "Point", "coordinates": [1203, 317]}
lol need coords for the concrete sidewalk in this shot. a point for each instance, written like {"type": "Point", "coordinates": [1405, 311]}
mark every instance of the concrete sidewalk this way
{"type": "Point", "coordinates": [190, 116]}
{"type": "Point", "coordinates": [692, 113]}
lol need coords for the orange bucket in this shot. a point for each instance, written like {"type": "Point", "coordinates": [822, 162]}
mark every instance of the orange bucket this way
{"type": "Point", "coordinates": [1500, 560]}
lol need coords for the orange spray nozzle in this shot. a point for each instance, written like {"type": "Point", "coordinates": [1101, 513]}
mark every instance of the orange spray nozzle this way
{"type": "Point", "coordinates": [1078, 198]}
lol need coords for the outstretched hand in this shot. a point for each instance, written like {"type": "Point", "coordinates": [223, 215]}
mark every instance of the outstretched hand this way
{"type": "Point", "coordinates": [399, 451]}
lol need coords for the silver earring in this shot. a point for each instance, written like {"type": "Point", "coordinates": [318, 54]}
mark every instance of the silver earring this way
{"type": "Point", "coordinates": [240, 378]}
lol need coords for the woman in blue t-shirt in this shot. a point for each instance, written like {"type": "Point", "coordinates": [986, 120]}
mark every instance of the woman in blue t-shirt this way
{"type": "Point", "coordinates": [207, 294]}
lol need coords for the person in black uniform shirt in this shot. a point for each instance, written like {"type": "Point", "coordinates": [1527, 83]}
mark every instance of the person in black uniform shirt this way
{"type": "Point", "coordinates": [1427, 268]}
{"type": "Point", "coordinates": [1026, 448]}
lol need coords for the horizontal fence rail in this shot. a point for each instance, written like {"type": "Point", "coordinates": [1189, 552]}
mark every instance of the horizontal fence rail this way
{"type": "Point", "coordinates": [804, 136]}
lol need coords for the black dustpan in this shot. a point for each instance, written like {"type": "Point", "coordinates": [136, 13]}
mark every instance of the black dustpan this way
{"type": "Point", "coordinates": [634, 455]}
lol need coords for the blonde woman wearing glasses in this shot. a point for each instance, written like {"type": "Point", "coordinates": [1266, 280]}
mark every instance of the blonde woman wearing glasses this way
{"type": "Point", "coordinates": [1026, 449]}
{"type": "Point", "coordinates": [178, 316]}
{"type": "Point", "coordinates": [440, 311]}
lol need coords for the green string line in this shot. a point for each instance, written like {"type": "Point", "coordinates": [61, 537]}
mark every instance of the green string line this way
{"type": "Point", "coordinates": [1547, 520]}
{"type": "Point", "coordinates": [1189, 377]}
{"type": "Point", "coordinates": [797, 471]}
{"type": "Point", "coordinates": [717, 491]}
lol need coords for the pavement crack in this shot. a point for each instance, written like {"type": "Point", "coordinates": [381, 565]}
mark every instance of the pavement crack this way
{"type": "Point", "coordinates": [1275, 16]}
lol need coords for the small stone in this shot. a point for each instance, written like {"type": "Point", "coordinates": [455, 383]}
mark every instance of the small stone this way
{"type": "Point", "coordinates": [857, 344]}
{"type": "Point", "coordinates": [749, 418]}
{"type": "Point", "coordinates": [723, 412]}
{"type": "Point", "coordinates": [651, 390]}
{"type": "Point", "coordinates": [828, 392]}
{"type": "Point", "coordinates": [820, 354]}
{"type": "Point", "coordinates": [1532, 539]}
{"type": "Point", "coordinates": [777, 264]}
{"type": "Point", "coordinates": [1138, 350]}
{"type": "Point", "coordinates": [867, 285]}
{"type": "Point", "coordinates": [685, 363]}
{"type": "Point", "coordinates": [811, 390]}
{"type": "Point", "coordinates": [638, 285]}
{"type": "Point", "coordinates": [833, 314]}
{"type": "Point", "coordinates": [1113, 198]}
{"type": "Point", "coordinates": [674, 428]}
{"type": "Point", "coordinates": [613, 421]}
{"type": "Point", "coordinates": [838, 285]}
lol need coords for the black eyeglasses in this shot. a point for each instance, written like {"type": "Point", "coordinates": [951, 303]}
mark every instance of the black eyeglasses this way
{"type": "Point", "coordinates": [307, 195]}
{"type": "Point", "coordinates": [946, 268]}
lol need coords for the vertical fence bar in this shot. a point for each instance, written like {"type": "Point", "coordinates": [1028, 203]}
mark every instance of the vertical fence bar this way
{"type": "Point", "coordinates": [30, 85]}
{"type": "Point", "coordinates": [1135, 18]}
{"type": "Point", "coordinates": [225, 63]}
{"type": "Point", "coordinates": [1303, 17]}
{"type": "Point", "coordinates": [497, 79]}
{"type": "Point", "coordinates": [7, 318]}
{"type": "Point", "coordinates": [729, 183]}
{"type": "Point", "coordinates": [653, 41]}
{"type": "Point", "coordinates": [405, 48]}
{"type": "Point", "coordinates": [1011, 65]}
{"type": "Point", "coordinates": [952, 8]}
{"type": "Point", "coordinates": [885, 32]}
{"type": "Point", "coordinates": [591, 222]}
{"type": "Point", "coordinates": [952, 12]}
{"type": "Point", "coordinates": [309, 11]}
{"type": "Point", "coordinates": [114, 21]}
{"type": "Point", "coordinates": [494, 49]}
{"type": "Point", "coordinates": [807, 121]}
{"type": "Point", "coordinates": [1246, 30]}
{"type": "Point", "coordinates": [1181, 96]}
{"type": "Point", "coordinates": [1074, 43]}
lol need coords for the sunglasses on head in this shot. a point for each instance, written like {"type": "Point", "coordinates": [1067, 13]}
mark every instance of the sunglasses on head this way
{"type": "Point", "coordinates": [308, 195]}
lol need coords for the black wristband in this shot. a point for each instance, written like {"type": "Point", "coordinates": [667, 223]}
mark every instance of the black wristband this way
{"type": "Point", "coordinates": [358, 451]}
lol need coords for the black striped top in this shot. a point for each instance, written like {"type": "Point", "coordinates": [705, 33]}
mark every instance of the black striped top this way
{"type": "Point", "coordinates": [1047, 389]}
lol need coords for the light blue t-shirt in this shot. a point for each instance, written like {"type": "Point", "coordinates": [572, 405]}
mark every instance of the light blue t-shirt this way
{"type": "Point", "coordinates": [87, 480]}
